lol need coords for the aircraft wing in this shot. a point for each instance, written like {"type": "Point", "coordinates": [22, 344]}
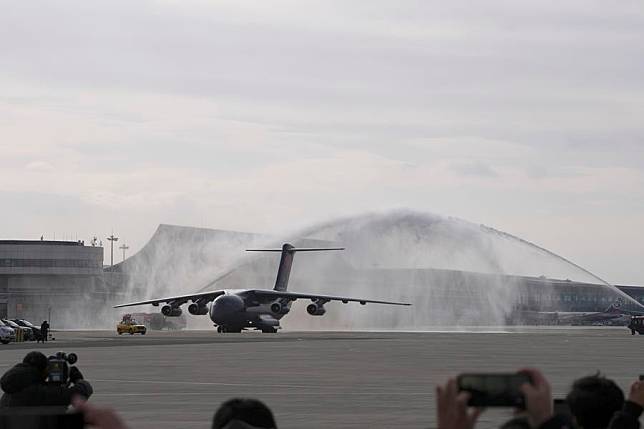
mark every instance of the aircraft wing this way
{"type": "Point", "coordinates": [208, 296]}
{"type": "Point", "coordinates": [630, 312]}
{"type": "Point", "coordinates": [292, 296]}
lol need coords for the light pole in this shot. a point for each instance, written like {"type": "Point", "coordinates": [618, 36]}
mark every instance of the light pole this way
{"type": "Point", "coordinates": [112, 239]}
{"type": "Point", "coordinates": [124, 248]}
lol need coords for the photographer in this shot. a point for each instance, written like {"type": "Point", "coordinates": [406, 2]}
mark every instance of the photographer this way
{"type": "Point", "coordinates": [25, 385]}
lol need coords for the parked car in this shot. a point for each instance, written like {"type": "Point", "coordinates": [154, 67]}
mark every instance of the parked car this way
{"type": "Point", "coordinates": [27, 324]}
{"type": "Point", "coordinates": [7, 333]}
{"type": "Point", "coordinates": [27, 333]}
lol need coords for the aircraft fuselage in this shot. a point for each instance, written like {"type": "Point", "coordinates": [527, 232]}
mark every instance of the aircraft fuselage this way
{"type": "Point", "coordinates": [233, 311]}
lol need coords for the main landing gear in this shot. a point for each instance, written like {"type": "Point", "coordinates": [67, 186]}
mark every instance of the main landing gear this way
{"type": "Point", "coordinates": [229, 329]}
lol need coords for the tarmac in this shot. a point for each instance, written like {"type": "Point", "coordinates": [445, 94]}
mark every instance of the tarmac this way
{"type": "Point", "coordinates": [324, 379]}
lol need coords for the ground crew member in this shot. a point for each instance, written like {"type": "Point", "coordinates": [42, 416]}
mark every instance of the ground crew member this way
{"type": "Point", "coordinates": [44, 331]}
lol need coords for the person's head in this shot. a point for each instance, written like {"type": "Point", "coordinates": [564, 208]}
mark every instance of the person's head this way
{"type": "Point", "coordinates": [593, 400]}
{"type": "Point", "coordinates": [249, 411]}
{"type": "Point", "coordinates": [38, 361]}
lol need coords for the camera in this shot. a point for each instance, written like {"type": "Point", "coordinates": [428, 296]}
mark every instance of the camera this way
{"type": "Point", "coordinates": [494, 390]}
{"type": "Point", "coordinates": [58, 367]}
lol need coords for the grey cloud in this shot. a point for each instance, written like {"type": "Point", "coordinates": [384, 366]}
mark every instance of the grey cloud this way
{"type": "Point", "coordinates": [539, 67]}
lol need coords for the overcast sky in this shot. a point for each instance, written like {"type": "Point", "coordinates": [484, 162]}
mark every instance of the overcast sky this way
{"type": "Point", "coordinates": [266, 116]}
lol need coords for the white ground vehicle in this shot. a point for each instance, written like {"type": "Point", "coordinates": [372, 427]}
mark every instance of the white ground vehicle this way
{"type": "Point", "coordinates": [27, 333]}
{"type": "Point", "coordinates": [7, 334]}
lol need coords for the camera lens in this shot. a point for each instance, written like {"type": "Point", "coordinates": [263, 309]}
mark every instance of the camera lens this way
{"type": "Point", "coordinates": [72, 358]}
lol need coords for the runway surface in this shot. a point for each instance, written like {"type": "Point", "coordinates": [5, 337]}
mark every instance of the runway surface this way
{"type": "Point", "coordinates": [323, 379]}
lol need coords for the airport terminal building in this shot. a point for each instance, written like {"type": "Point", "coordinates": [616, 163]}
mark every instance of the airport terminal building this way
{"type": "Point", "coordinates": [42, 279]}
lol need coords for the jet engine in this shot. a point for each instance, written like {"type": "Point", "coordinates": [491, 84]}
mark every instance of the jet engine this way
{"type": "Point", "coordinates": [197, 310]}
{"type": "Point", "coordinates": [170, 311]}
{"type": "Point", "coordinates": [315, 309]}
{"type": "Point", "coordinates": [278, 308]}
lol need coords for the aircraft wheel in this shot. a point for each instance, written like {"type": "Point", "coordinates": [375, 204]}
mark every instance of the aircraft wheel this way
{"type": "Point", "coordinates": [4, 341]}
{"type": "Point", "coordinates": [131, 333]}
{"type": "Point", "coordinates": [143, 333]}
{"type": "Point", "coordinates": [269, 331]}
{"type": "Point", "coordinates": [632, 331]}
{"type": "Point", "coordinates": [220, 329]}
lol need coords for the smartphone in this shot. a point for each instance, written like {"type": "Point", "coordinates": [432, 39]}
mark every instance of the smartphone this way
{"type": "Point", "coordinates": [494, 390]}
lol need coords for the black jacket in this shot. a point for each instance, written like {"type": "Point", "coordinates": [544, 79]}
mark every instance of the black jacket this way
{"type": "Point", "coordinates": [558, 421]}
{"type": "Point", "coordinates": [23, 386]}
{"type": "Point", "coordinates": [627, 418]}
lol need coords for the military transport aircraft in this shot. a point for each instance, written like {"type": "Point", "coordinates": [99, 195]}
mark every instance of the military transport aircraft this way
{"type": "Point", "coordinates": [233, 310]}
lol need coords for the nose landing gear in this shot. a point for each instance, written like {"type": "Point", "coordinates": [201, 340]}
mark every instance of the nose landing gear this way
{"type": "Point", "coordinates": [230, 329]}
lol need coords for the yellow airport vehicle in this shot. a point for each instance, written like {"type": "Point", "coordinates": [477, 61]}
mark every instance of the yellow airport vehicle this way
{"type": "Point", "coordinates": [129, 326]}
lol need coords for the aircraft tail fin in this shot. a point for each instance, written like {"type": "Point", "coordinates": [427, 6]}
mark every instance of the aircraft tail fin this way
{"type": "Point", "coordinates": [286, 261]}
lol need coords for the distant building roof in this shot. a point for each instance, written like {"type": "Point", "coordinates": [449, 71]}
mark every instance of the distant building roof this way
{"type": "Point", "coordinates": [40, 243]}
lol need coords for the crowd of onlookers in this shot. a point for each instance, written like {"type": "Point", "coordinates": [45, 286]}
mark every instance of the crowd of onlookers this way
{"type": "Point", "coordinates": [238, 413]}
{"type": "Point", "coordinates": [594, 402]}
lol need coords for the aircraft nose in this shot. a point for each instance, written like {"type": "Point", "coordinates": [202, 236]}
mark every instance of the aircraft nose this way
{"type": "Point", "coordinates": [226, 306]}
